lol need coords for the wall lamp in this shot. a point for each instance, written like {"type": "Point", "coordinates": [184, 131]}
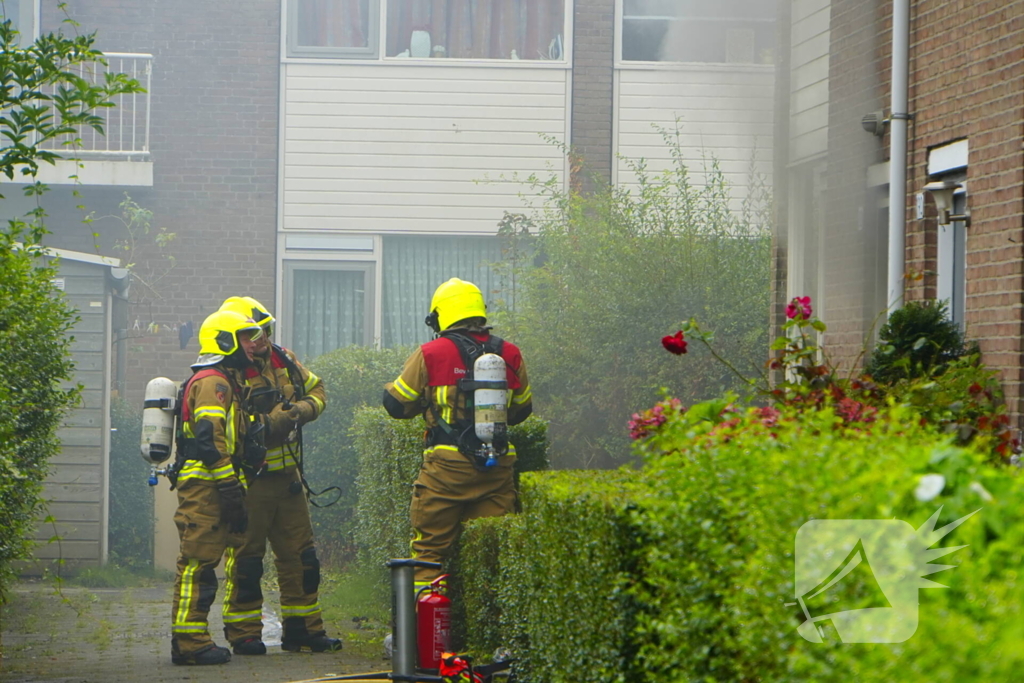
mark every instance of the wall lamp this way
{"type": "Point", "coordinates": [942, 192]}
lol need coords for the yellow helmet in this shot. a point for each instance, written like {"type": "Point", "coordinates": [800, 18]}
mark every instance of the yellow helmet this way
{"type": "Point", "coordinates": [453, 301]}
{"type": "Point", "coordinates": [218, 335]}
{"type": "Point", "coordinates": [250, 308]}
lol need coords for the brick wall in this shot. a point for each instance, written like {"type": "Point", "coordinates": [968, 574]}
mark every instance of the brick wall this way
{"type": "Point", "coordinates": [967, 81]}
{"type": "Point", "coordinates": [214, 149]}
{"type": "Point", "coordinates": [592, 74]}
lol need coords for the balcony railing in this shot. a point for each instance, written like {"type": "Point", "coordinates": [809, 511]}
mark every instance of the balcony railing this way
{"type": "Point", "coordinates": [126, 125]}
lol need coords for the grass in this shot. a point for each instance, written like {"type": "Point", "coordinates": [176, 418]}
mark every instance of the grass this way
{"type": "Point", "coordinates": [113, 576]}
{"type": "Point", "coordinates": [348, 603]}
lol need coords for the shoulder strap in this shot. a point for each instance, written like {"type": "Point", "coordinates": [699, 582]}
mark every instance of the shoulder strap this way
{"type": "Point", "coordinates": [200, 374]}
{"type": "Point", "coordinates": [279, 353]}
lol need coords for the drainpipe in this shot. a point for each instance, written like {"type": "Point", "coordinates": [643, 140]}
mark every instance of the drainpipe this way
{"type": "Point", "coordinates": [899, 119]}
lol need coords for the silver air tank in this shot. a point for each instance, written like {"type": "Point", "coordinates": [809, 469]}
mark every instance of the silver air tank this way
{"type": "Point", "coordinates": [490, 405]}
{"type": "Point", "coordinates": [159, 410]}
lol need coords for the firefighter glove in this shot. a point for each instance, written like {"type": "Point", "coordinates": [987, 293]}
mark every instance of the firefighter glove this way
{"type": "Point", "coordinates": [279, 423]}
{"type": "Point", "coordinates": [232, 506]}
{"type": "Point", "coordinates": [302, 412]}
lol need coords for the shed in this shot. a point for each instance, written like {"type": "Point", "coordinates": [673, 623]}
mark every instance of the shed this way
{"type": "Point", "coordinates": [77, 488]}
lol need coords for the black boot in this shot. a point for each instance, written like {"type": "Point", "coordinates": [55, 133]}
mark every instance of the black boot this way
{"type": "Point", "coordinates": [320, 643]}
{"type": "Point", "coordinates": [250, 646]}
{"type": "Point", "coordinates": [213, 654]}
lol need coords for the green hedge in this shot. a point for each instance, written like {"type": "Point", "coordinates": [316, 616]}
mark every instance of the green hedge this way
{"type": "Point", "coordinates": [354, 376]}
{"type": "Point", "coordinates": [35, 357]}
{"type": "Point", "coordinates": [681, 572]}
{"type": "Point", "coordinates": [390, 452]}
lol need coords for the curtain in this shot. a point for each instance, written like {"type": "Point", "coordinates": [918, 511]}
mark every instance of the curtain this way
{"type": "Point", "coordinates": [479, 29]}
{"type": "Point", "coordinates": [413, 267]}
{"type": "Point", "coordinates": [333, 23]}
{"type": "Point", "coordinates": [328, 311]}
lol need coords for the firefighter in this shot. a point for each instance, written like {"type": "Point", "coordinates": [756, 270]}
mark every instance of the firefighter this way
{"type": "Point", "coordinates": [288, 396]}
{"type": "Point", "coordinates": [211, 515]}
{"type": "Point", "coordinates": [453, 485]}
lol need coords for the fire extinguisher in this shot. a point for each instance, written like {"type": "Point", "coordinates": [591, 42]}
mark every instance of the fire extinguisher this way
{"type": "Point", "coordinates": [433, 624]}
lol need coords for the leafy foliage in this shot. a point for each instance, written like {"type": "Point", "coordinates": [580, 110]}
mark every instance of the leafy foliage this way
{"type": "Point", "coordinates": [44, 98]}
{"type": "Point", "coordinates": [919, 340]}
{"type": "Point", "coordinates": [34, 352]}
{"type": "Point", "coordinates": [354, 377]}
{"type": "Point", "coordinates": [595, 279]}
{"type": "Point", "coordinates": [681, 571]}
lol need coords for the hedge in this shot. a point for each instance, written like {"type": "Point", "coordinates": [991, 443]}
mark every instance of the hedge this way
{"type": "Point", "coordinates": [390, 452]}
{"type": "Point", "coordinates": [35, 357]}
{"type": "Point", "coordinates": [691, 559]}
{"type": "Point", "coordinates": [354, 376]}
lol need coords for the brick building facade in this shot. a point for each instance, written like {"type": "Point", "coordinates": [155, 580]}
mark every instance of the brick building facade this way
{"type": "Point", "coordinates": [966, 94]}
{"type": "Point", "coordinates": [214, 144]}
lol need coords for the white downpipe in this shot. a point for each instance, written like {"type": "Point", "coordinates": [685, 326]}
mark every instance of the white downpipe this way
{"type": "Point", "coordinates": [899, 118]}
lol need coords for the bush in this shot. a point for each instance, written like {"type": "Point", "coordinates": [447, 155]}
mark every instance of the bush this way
{"type": "Point", "coordinates": [354, 376]}
{"type": "Point", "coordinates": [918, 340]}
{"type": "Point", "coordinates": [390, 452]}
{"type": "Point", "coordinates": [34, 353]}
{"type": "Point", "coordinates": [130, 534]}
{"type": "Point", "coordinates": [594, 280]}
{"type": "Point", "coordinates": [691, 559]}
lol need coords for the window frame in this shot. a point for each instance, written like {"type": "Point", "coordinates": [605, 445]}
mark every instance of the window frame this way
{"type": "Point", "coordinates": [376, 10]}
{"type": "Point", "coordinates": [620, 63]}
{"type": "Point", "coordinates": [287, 308]}
{"type": "Point", "coordinates": [293, 53]}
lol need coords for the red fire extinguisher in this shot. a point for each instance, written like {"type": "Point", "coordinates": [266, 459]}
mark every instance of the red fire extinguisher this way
{"type": "Point", "coordinates": [433, 624]}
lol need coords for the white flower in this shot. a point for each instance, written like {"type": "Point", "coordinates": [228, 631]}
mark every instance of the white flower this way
{"type": "Point", "coordinates": [930, 486]}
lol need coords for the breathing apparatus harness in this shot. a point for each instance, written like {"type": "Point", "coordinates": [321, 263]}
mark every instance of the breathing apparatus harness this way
{"type": "Point", "coordinates": [463, 433]}
{"type": "Point", "coordinates": [294, 448]}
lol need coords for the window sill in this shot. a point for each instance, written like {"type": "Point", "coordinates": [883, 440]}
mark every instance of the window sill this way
{"type": "Point", "coordinates": [693, 66]}
{"type": "Point", "coordinates": [431, 61]}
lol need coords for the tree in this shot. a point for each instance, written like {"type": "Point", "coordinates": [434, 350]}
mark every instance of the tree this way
{"type": "Point", "coordinates": [44, 101]}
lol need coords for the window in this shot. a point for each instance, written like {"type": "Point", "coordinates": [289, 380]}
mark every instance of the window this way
{"type": "Point", "coordinates": [951, 264]}
{"type": "Point", "coordinates": [22, 15]}
{"type": "Point", "coordinates": [335, 28]}
{"type": "Point", "coordinates": [415, 266]}
{"type": "Point", "coordinates": [460, 29]}
{"type": "Point", "coordinates": [724, 31]}
{"type": "Point", "coordinates": [476, 29]}
{"type": "Point", "coordinates": [330, 305]}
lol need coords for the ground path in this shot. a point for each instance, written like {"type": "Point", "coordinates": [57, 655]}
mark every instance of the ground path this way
{"type": "Point", "coordinates": [106, 635]}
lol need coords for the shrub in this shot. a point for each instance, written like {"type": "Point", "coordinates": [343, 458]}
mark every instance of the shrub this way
{"type": "Point", "coordinates": [34, 353]}
{"type": "Point", "coordinates": [918, 340]}
{"type": "Point", "coordinates": [354, 376]}
{"type": "Point", "coordinates": [390, 452]}
{"type": "Point", "coordinates": [130, 533]}
{"type": "Point", "coordinates": [596, 278]}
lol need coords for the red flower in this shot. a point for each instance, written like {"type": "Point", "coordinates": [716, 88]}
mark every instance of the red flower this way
{"type": "Point", "coordinates": [674, 343]}
{"type": "Point", "coordinates": [800, 305]}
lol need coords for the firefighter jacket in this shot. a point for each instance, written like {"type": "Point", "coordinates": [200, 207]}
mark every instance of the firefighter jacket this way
{"type": "Point", "coordinates": [279, 379]}
{"type": "Point", "coordinates": [216, 425]}
{"type": "Point", "coordinates": [428, 386]}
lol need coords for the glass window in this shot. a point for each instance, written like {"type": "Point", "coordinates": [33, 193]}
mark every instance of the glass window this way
{"type": "Point", "coordinates": [337, 28]}
{"type": "Point", "coordinates": [476, 29]}
{"type": "Point", "coordinates": [330, 307]}
{"type": "Point", "coordinates": [21, 14]}
{"type": "Point", "coordinates": [415, 266]}
{"type": "Point", "coordinates": [724, 31]}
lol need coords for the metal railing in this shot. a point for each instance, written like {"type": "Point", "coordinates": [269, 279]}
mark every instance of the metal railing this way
{"type": "Point", "coordinates": [126, 125]}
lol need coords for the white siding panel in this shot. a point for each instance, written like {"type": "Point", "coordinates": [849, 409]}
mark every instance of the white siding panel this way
{"type": "Point", "coordinates": [809, 84]}
{"type": "Point", "coordinates": [724, 113]}
{"type": "Point", "coordinates": [417, 148]}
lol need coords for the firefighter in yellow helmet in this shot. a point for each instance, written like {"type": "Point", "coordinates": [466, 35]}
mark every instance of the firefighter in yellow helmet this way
{"type": "Point", "coordinates": [454, 484]}
{"type": "Point", "coordinates": [287, 396]}
{"type": "Point", "coordinates": [211, 515]}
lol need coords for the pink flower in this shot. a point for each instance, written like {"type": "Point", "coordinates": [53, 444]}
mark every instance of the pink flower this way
{"type": "Point", "coordinates": [674, 343]}
{"type": "Point", "coordinates": [800, 305]}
